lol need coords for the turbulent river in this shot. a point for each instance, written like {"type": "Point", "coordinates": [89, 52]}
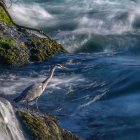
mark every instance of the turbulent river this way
{"type": "Point", "coordinates": [98, 96]}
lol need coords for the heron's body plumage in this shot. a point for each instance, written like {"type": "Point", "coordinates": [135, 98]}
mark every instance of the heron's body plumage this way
{"type": "Point", "coordinates": [30, 93]}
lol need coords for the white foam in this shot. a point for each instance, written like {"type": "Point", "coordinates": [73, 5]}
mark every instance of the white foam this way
{"type": "Point", "coordinates": [31, 15]}
{"type": "Point", "coordinates": [67, 82]}
{"type": "Point", "coordinates": [9, 129]}
{"type": "Point", "coordinates": [106, 23]}
{"type": "Point", "coordinates": [95, 99]}
{"type": "Point", "coordinates": [14, 84]}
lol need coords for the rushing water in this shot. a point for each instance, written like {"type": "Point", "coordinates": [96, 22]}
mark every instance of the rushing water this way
{"type": "Point", "coordinates": [9, 127]}
{"type": "Point", "coordinates": [98, 96]}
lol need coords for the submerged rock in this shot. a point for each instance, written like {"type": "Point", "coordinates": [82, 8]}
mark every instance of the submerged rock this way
{"type": "Point", "coordinates": [19, 45]}
{"type": "Point", "coordinates": [44, 127]}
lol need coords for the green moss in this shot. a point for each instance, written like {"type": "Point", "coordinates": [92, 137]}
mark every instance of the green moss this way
{"type": "Point", "coordinates": [43, 48]}
{"type": "Point", "coordinates": [16, 52]}
{"type": "Point", "coordinates": [4, 17]}
{"type": "Point", "coordinates": [44, 127]}
{"type": "Point", "coordinates": [6, 43]}
{"type": "Point", "coordinates": [12, 52]}
{"type": "Point", "coordinates": [40, 128]}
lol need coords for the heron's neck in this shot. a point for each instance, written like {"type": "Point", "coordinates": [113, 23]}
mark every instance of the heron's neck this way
{"type": "Point", "coordinates": [47, 80]}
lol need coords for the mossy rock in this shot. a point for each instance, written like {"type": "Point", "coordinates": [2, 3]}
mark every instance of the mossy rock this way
{"type": "Point", "coordinates": [16, 52]}
{"type": "Point", "coordinates": [43, 127]}
{"type": "Point", "coordinates": [18, 45]}
{"type": "Point", "coordinates": [13, 53]}
{"type": "Point", "coordinates": [4, 17]}
{"type": "Point", "coordinates": [43, 48]}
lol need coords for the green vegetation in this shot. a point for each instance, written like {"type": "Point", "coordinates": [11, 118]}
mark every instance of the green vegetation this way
{"type": "Point", "coordinates": [43, 48]}
{"type": "Point", "coordinates": [39, 127]}
{"type": "Point", "coordinates": [43, 127]}
{"type": "Point", "coordinates": [12, 52]}
{"type": "Point", "coordinates": [4, 17]}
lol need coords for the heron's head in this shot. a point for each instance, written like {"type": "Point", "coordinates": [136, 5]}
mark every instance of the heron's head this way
{"type": "Point", "coordinates": [59, 66]}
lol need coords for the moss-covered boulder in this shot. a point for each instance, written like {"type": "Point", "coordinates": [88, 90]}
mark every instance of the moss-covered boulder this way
{"type": "Point", "coordinates": [44, 127]}
{"type": "Point", "coordinates": [12, 52]}
{"type": "Point", "coordinates": [43, 48]}
{"type": "Point", "coordinates": [18, 45]}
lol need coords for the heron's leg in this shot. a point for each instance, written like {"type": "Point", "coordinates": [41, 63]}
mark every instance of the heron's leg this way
{"type": "Point", "coordinates": [36, 104]}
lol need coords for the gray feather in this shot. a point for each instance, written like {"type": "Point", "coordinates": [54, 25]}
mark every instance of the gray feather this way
{"type": "Point", "coordinates": [23, 94]}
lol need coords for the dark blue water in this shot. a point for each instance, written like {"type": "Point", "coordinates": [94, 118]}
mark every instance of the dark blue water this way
{"type": "Point", "coordinates": [98, 96]}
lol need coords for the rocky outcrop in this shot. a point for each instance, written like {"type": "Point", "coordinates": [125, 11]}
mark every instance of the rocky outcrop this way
{"type": "Point", "coordinates": [13, 52]}
{"type": "Point", "coordinates": [44, 127]}
{"type": "Point", "coordinates": [19, 45]}
{"type": "Point", "coordinates": [42, 48]}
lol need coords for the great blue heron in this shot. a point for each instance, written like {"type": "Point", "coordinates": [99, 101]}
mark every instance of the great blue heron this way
{"type": "Point", "coordinates": [33, 92]}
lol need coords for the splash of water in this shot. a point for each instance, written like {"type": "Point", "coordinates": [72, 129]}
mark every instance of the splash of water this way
{"type": "Point", "coordinates": [95, 99]}
{"type": "Point", "coordinates": [9, 129]}
{"type": "Point", "coordinates": [30, 15]}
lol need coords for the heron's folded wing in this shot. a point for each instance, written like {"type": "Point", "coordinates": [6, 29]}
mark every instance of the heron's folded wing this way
{"type": "Point", "coordinates": [24, 94]}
